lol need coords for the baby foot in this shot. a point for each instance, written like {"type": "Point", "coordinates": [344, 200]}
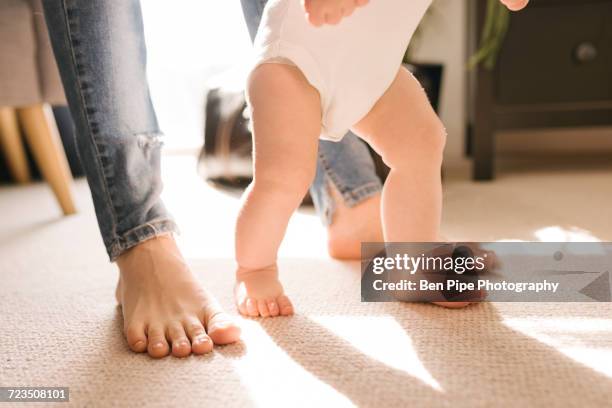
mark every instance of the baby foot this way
{"type": "Point", "coordinates": [258, 292]}
{"type": "Point", "coordinates": [319, 12]}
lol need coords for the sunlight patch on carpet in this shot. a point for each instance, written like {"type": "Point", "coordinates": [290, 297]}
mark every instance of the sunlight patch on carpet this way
{"type": "Point", "coordinates": [381, 338]}
{"type": "Point", "coordinates": [580, 339]}
{"type": "Point", "coordinates": [272, 377]}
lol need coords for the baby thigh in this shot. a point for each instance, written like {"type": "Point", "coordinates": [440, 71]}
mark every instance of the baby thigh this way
{"type": "Point", "coordinates": [403, 128]}
{"type": "Point", "coordinates": [286, 118]}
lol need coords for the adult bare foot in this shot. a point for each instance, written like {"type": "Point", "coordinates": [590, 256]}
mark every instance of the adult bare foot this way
{"type": "Point", "coordinates": [353, 225]}
{"type": "Point", "coordinates": [164, 307]}
{"type": "Point", "coordinates": [319, 12]}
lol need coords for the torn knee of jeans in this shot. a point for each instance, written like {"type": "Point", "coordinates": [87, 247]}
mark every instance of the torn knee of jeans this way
{"type": "Point", "coordinates": [148, 141]}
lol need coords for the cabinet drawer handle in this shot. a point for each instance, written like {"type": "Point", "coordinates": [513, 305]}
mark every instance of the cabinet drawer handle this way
{"type": "Point", "coordinates": [585, 52]}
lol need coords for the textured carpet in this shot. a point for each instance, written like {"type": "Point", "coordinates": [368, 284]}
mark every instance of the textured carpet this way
{"type": "Point", "coordinates": [60, 326]}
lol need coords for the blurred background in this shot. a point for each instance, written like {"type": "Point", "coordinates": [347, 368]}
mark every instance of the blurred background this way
{"type": "Point", "coordinates": [191, 46]}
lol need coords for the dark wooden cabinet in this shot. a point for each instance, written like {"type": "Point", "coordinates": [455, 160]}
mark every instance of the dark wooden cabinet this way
{"type": "Point", "coordinates": [554, 70]}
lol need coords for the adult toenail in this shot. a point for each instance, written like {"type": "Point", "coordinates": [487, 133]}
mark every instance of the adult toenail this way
{"type": "Point", "coordinates": [158, 345]}
{"type": "Point", "coordinates": [202, 339]}
{"type": "Point", "coordinates": [221, 325]}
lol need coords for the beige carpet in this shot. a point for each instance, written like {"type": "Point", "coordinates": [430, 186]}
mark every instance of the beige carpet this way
{"type": "Point", "coordinates": [60, 327]}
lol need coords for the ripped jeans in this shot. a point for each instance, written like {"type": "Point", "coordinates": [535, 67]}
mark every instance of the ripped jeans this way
{"type": "Point", "coordinates": [101, 54]}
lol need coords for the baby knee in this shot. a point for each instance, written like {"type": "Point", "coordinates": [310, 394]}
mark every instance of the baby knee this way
{"type": "Point", "coordinates": [435, 137]}
{"type": "Point", "coordinates": [424, 143]}
{"type": "Point", "coordinates": [429, 140]}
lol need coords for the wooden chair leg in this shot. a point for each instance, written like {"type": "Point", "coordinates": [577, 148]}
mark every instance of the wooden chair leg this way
{"type": "Point", "coordinates": [12, 145]}
{"type": "Point", "coordinates": [43, 138]}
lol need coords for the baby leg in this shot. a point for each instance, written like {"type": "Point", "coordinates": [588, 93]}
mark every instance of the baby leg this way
{"type": "Point", "coordinates": [286, 117]}
{"type": "Point", "coordinates": [403, 128]}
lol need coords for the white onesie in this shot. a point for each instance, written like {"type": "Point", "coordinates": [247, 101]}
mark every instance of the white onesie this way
{"type": "Point", "coordinates": [351, 64]}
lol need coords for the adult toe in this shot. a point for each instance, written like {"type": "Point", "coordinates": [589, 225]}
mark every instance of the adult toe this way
{"type": "Point", "coordinates": [200, 342]}
{"type": "Point", "coordinates": [181, 347]}
{"type": "Point", "coordinates": [157, 346]}
{"type": "Point", "coordinates": [136, 337]}
{"type": "Point", "coordinates": [222, 328]}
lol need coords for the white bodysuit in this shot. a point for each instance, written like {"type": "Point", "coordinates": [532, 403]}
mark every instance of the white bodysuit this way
{"type": "Point", "coordinates": [351, 64]}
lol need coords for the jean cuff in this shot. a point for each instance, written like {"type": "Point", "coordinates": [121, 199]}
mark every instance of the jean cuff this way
{"type": "Point", "coordinates": [140, 234]}
{"type": "Point", "coordinates": [354, 196]}
{"type": "Point", "coordinates": [326, 206]}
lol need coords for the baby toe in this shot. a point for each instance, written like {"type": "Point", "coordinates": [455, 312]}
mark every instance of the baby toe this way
{"type": "Point", "coordinates": [262, 306]}
{"type": "Point", "coordinates": [348, 10]}
{"type": "Point", "coordinates": [334, 17]}
{"type": "Point", "coordinates": [315, 19]}
{"type": "Point", "coordinates": [285, 306]}
{"type": "Point", "coordinates": [273, 308]}
{"type": "Point", "coordinates": [241, 305]}
{"type": "Point", "coordinates": [251, 306]}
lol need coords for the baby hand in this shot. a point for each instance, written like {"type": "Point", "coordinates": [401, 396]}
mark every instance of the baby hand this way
{"type": "Point", "coordinates": [515, 5]}
{"type": "Point", "coordinates": [319, 12]}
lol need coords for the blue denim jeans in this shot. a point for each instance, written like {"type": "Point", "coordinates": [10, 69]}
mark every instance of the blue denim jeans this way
{"type": "Point", "coordinates": [100, 50]}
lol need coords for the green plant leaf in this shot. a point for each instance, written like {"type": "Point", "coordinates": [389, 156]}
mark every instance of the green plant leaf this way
{"type": "Point", "coordinates": [494, 32]}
